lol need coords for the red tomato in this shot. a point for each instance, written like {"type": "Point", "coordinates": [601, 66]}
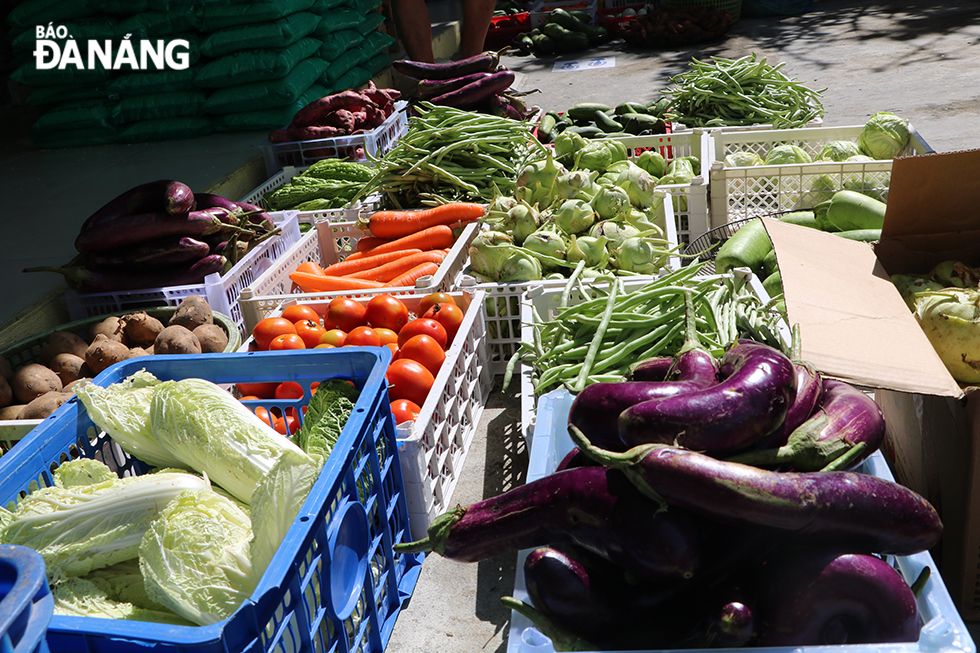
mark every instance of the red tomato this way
{"type": "Point", "coordinates": [362, 336]}
{"type": "Point", "coordinates": [287, 341]}
{"type": "Point", "coordinates": [263, 414]}
{"type": "Point", "coordinates": [260, 390]}
{"type": "Point", "coordinates": [270, 327]}
{"type": "Point", "coordinates": [408, 379]}
{"type": "Point", "coordinates": [324, 345]}
{"type": "Point", "coordinates": [298, 312]}
{"type": "Point", "coordinates": [387, 312]}
{"type": "Point", "coordinates": [433, 298]}
{"type": "Point", "coordinates": [423, 349]}
{"type": "Point", "coordinates": [344, 313]}
{"type": "Point", "coordinates": [289, 390]}
{"type": "Point", "coordinates": [424, 325]}
{"type": "Point", "coordinates": [448, 315]}
{"type": "Point", "coordinates": [404, 410]}
{"type": "Point", "coordinates": [333, 337]}
{"type": "Point", "coordinates": [286, 425]}
{"type": "Point", "coordinates": [310, 332]}
{"type": "Point", "coordinates": [386, 335]}
{"type": "Point", "coordinates": [393, 346]}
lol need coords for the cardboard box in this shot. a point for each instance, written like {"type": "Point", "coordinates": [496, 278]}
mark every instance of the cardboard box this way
{"type": "Point", "coordinates": [855, 327]}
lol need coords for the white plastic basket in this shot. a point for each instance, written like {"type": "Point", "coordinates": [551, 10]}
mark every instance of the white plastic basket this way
{"type": "Point", "coordinates": [220, 290]}
{"type": "Point", "coordinates": [432, 448]}
{"type": "Point", "coordinates": [502, 306]}
{"type": "Point", "coordinates": [376, 142]}
{"type": "Point", "coordinates": [743, 192]}
{"type": "Point", "coordinates": [284, 176]}
{"type": "Point", "coordinates": [331, 242]}
{"type": "Point", "coordinates": [943, 629]}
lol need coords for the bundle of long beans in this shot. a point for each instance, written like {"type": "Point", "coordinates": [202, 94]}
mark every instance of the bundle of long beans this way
{"type": "Point", "coordinates": [598, 340]}
{"type": "Point", "coordinates": [744, 91]}
{"type": "Point", "coordinates": [449, 155]}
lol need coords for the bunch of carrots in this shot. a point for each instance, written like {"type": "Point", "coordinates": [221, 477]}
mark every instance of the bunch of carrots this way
{"type": "Point", "coordinates": [403, 246]}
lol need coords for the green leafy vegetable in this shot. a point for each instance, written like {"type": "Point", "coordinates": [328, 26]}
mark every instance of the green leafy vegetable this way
{"type": "Point", "coordinates": [786, 154]}
{"type": "Point", "coordinates": [80, 597]}
{"type": "Point", "coordinates": [838, 150]}
{"type": "Point", "coordinates": [330, 408]}
{"type": "Point", "coordinates": [884, 136]}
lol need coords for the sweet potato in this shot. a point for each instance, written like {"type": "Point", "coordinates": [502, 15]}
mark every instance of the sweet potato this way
{"type": "Point", "coordinates": [111, 327]}
{"type": "Point", "coordinates": [103, 352]}
{"type": "Point", "coordinates": [61, 342]}
{"type": "Point", "coordinates": [212, 337]}
{"type": "Point", "coordinates": [44, 405]}
{"type": "Point", "coordinates": [141, 329]}
{"type": "Point", "coordinates": [192, 312]}
{"type": "Point", "coordinates": [69, 367]}
{"type": "Point", "coordinates": [33, 380]}
{"type": "Point", "coordinates": [176, 339]}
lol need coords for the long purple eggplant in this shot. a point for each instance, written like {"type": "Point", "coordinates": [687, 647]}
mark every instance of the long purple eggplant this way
{"type": "Point", "coordinates": [594, 507]}
{"type": "Point", "coordinates": [847, 428]}
{"type": "Point", "coordinates": [430, 88]}
{"type": "Point", "coordinates": [94, 280]}
{"type": "Point", "coordinates": [758, 387]}
{"type": "Point", "coordinates": [162, 252]}
{"type": "Point", "coordinates": [126, 230]}
{"type": "Point", "coordinates": [484, 62]}
{"type": "Point", "coordinates": [816, 597]}
{"type": "Point", "coordinates": [165, 195]}
{"type": "Point", "coordinates": [845, 508]}
{"type": "Point", "coordinates": [475, 93]}
{"type": "Point", "coordinates": [655, 368]}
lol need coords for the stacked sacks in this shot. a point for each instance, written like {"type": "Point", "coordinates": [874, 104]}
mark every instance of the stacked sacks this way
{"type": "Point", "coordinates": [352, 43]}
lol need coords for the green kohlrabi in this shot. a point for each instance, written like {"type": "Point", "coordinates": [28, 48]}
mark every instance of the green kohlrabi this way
{"type": "Point", "coordinates": [590, 249]}
{"type": "Point", "coordinates": [641, 255]}
{"type": "Point", "coordinates": [636, 181]}
{"type": "Point", "coordinates": [611, 202]}
{"type": "Point", "coordinates": [195, 557]}
{"type": "Point", "coordinates": [524, 220]}
{"type": "Point", "coordinates": [653, 162]}
{"type": "Point", "coordinates": [884, 136]}
{"type": "Point", "coordinates": [212, 432]}
{"type": "Point", "coordinates": [547, 240]}
{"type": "Point", "coordinates": [615, 232]}
{"type": "Point", "coordinates": [579, 184]}
{"type": "Point", "coordinates": [574, 216]}
{"type": "Point", "coordinates": [950, 319]}
{"type": "Point", "coordinates": [504, 263]}
{"type": "Point", "coordinates": [79, 528]}
{"type": "Point", "coordinates": [536, 183]}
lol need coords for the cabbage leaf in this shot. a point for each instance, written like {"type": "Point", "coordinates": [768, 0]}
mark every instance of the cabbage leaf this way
{"type": "Point", "coordinates": [884, 136]}
{"type": "Point", "coordinates": [80, 597]}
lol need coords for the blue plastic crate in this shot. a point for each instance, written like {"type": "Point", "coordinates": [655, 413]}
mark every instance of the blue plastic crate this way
{"type": "Point", "coordinates": [943, 629]}
{"type": "Point", "coordinates": [26, 603]}
{"type": "Point", "coordinates": [334, 585]}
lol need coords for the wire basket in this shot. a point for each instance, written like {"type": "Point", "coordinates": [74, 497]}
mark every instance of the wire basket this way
{"type": "Point", "coordinates": [733, 7]}
{"type": "Point", "coordinates": [704, 248]}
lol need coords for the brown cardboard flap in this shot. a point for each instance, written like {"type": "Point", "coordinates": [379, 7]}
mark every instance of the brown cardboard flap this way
{"type": "Point", "coordinates": [854, 325]}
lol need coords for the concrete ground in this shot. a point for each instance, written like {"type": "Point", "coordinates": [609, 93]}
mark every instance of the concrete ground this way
{"type": "Point", "coordinates": [918, 59]}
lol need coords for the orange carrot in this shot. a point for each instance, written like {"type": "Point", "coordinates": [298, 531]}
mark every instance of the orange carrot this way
{"type": "Point", "coordinates": [347, 266]}
{"type": "Point", "coordinates": [413, 275]}
{"type": "Point", "coordinates": [309, 266]}
{"type": "Point", "coordinates": [437, 237]}
{"type": "Point", "coordinates": [396, 224]}
{"type": "Point", "coordinates": [389, 271]}
{"type": "Point", "coordinates": [368, 243]}
{"type": "Point", "coordinates": [325, 283]}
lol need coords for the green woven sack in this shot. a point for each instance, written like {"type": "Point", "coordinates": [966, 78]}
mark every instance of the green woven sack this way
{"type": "Point", "coordinates": [165, 129]}
{"type": "Point", "coordinates": [377, 63]}
{"type": "Point", "coordinates": [29, 75]}
{"type": "Point", "coordinates": [324, 7]}
{"type": "Point", "coordinates": [49, 95]}
{"type": "Point", "coordinates": [124, 7]}
{"type": "Point", "coordinates": [42, 12]}
{"type": "Point", "coordinates": [338, 20]}
{"type": "Point", "coordinates": [363, 7]}
{"type": "Point", "coordinates": [77, 115]}
{"type": "Point", "coordinates": [249, 66]}
{"type": "Point", "coordinates": [174, 104]}
{"type": "Point", "coordinates": [339, 66]}
{"type": "Point", "coordinates": [155, 24]}
{"type": "Point", "coordinates": [277, 34]}
{"type": "Point", "coordinates": [150, 81]}
{"type": "Point", "coordinates": [214, 16]}
{"type": "Point", "coordinates": [356, 76]}
{"type": "Point", "coordinates": [339, 42]}
{"type": "Point", "coordinates": [265, 95]}
{"type": "Point", "coordinates": [266, 119]}
{"type": "Point", "coordinates": [371, 23]}
{"type": "Point", "coordinates": [377, 42]}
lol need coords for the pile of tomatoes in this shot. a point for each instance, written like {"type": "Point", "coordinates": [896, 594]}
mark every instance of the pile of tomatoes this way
{"type": "Point", "coordinates": [418, 344]}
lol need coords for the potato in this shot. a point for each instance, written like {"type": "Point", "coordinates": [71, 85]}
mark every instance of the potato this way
{"type": "Point", "coordinates": [44, 405]}
{"type": "Point", "coordinates": [136, 352]}
{"type": "Point", "coordinates": [61, 342]}
{"type": "Point", "coordinates": [176, 339]}
{"type": "Point", "coordinates": [32, 381]}
{"type": "Point", "coordinates": [192, 312]}
{"type": "Point", "coordinates": [6, 392]}
{"type": "Point", "coordinates": [11, 411]}
{"type": "Point", "coordinates": [103, 352]}
{"type": "Point", "coordinates": [111, 327]}
{"type": "Point", "coordinates": [69, 367]}
{"type": "Point", "coordinates": [71, 386]}
{"type": "Point", "coordinates": [140, 329]}
{"type": "Point", "coordinates": [6, 371]}
{"type": "Point", "coordinates": [212, 337]}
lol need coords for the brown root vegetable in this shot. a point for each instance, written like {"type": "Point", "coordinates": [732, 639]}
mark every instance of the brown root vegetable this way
{"type": "Point", "coordinates": [177, 340]}
{"type": "Point", "coordinates": [6, 392]}
{"type": "Point", "coordinates": [111, 327]}
{"type": "Point", "coordinates": [61, 342]}
{"type": "Point", "coordinates": [103, 352]}
{"type": "Point", "coordinates": [212, 337]}
{"type": "Point", "coordinates": [69, 367]}
{"type": "Point", "coordinates": [136, 352]}
{"type": "Point", "coordinates": [11, 412]}
{"type": "Point", "coordinates": [6, 371]}
{"type": "Point", "coordinates": [42, 406]}
{"type": "Point", "coordinates": [71, 386]}
{"type": "Point", "coordinates": [192, 312]}
{"type": "Point", "coordinates": [34, 380]}
{"type": "Point", "coordinates": [141, 329]}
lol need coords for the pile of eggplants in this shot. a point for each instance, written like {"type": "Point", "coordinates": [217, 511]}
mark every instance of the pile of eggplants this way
{"type": "Point", "coordinates": [709, 503]}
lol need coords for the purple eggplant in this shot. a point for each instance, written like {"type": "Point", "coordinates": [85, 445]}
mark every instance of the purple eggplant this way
{"type": "Point", "coordinates": [257, 216]}
{"type": "Point", "coordinates": [165, 196]}
{"type": "Point", "coordinates": [847, 428]}
{"type": "Point", "coordinates": [475, 93]}
{"type": "Point", "coordinates": [651, 369]}
{"type": "Point", "coordinates": [169, 250]}
{"type": "Point", "coordinates": [126, 230]}
{"type": "Point", "coordinates": [846, 508]}
{"type": "Point", "coordinates": [750, 403]}
{"type": "Point", "coordinates": [817, 597]}
{"type": "Point", "coordinates": [430, 88]}
{"type": "Point", "coordinates": [98, 280]}
{"type": "Point", "coordinates": [594, 507]}
{"type": "Point", "coordinates": [484, 62]}
{"type": "Point", "coordinates": [575, 458]}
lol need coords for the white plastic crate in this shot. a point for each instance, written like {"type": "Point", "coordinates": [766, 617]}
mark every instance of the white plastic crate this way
{"type": "Point", "coordinates": [220, 290]}
{"type": "Point", "coordinates": [331, 242]}
{"type": "Point", "coordinates": [502, 306]}
{"type": "Point", "coordinates": [432, 448]}
{"type": "Point", "coordinates": [539, 11]}
{"type": "Point", "coordinates": [283, 177]}
{"type": "Point", "coordinates": [943, 630]}
{"type": "Point", "coordinates": [376, 142]}
{"type": "Point", "coordinates": [744, 192]}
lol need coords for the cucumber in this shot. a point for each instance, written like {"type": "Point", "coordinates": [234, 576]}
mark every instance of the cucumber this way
{"type": "Point", "coordinates": [769, 264]}
{"type": "Point", "coordinates": [588, 131]}
{"type": "Point", "coordinates": [604, 122]}
{"type": "Point", "coordinates": [747, 248]}
{"type": "Point", "coordinates": [629, 107]}
{"type": "Point", "coordinates": [642, 123]}
{"type": "Point", "coordinates": [566, 20]}
{"type": "Point", "coordinates": [586, 110]}
{"type": "Point", "coordinates": [659, 108]}
{"type": "Point", "coordinates": [580, 15]}
{"type": "Point", "coordinates": [572, 41]}
{"type": "Point", "coordinates": [802, 218]}
{"type": "Point", "coordinates": [850, 210]}
{"type": "Point", "coordinates": [546, 127]}
{"type": "Point", "coordinates": [555, 31]}
{"type": "Point", "coordinates": [864, 235]}
{"type": "Point", "coordinates": [543, 44]}
{"type": "Point", "coordinates": [612, 135]}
